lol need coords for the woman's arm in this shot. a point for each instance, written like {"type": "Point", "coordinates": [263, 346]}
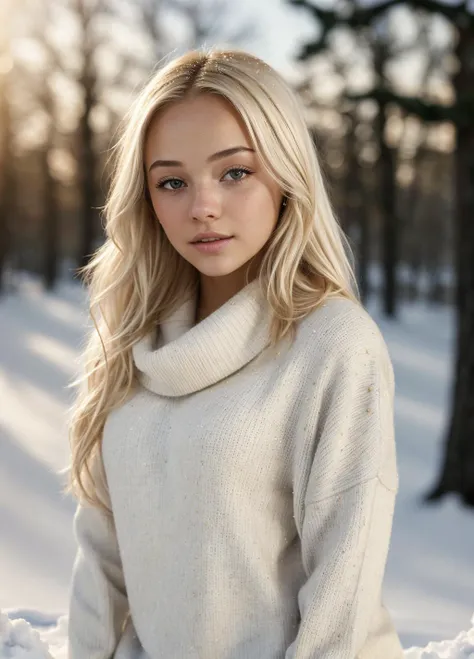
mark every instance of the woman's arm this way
{"type": "Point", "coordinates": [345, 544]}
{"type": "Point", "coordinates": [98, 600]}
{"type": "Point", "coordinates": [348, 509]}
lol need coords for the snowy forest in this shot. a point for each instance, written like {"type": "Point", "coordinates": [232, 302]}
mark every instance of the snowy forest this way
{"type": "Point", "coordinates": [387, 86]}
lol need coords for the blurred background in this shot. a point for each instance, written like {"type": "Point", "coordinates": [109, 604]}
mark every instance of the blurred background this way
{"type": "Point", "coordinates": [388, 88]}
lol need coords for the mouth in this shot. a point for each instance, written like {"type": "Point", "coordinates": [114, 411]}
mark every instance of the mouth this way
{"type": "Point", "coordinates": [211, 240]}
{"type": "Point", "coordinates": [212, 246]}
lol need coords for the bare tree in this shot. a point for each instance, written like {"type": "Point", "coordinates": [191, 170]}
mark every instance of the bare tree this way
{"type": "Point", "coordinates": [51, 227]}
{"type": "Point", "coordinates": [6, 139]}
{"type": "Point", "coordinates": [86, 12]}
{"type": "Point", "coordinates": [382, 51]}
{"type": "Point", "coordinates": [387, 183]}
{"type": "Point", "coordinates": [355, 201]}
{"type": "Point", "coordinates": [457, 471]}
{"type": "Point", "coordinates": [43, 99]}
{"type": "Point", "coordinates": [81, 143]}
{"type": "Point", "coordinates": [204, 23]}
{"type": "Point", "coordinates": [214, 21]}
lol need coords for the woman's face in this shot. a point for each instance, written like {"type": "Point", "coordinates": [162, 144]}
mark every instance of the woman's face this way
{"type": "Point", "coordinates": [204, 176]}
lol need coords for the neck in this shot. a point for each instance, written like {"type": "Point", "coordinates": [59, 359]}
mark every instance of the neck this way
{"type": "Point", "coordinates": [213, 292]}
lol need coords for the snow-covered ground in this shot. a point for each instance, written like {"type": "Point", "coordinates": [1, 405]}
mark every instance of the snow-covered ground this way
{"type": "Point", "coordinates": [429, 585]}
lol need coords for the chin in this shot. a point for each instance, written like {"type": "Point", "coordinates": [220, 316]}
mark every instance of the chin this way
{"type": "Point", "coordinates": [215, 270]}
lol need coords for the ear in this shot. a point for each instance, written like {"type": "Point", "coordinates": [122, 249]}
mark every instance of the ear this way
{"type": "Point", "coordinates": [283, 204]}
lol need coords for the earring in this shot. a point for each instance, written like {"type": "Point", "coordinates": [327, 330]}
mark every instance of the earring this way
{"type": "Point", "coordinates": [282, 207]}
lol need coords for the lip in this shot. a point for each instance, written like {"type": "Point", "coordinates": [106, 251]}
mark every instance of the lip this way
{"type": "Point", "coordinates": [209, 234]}
{"type": "Point", "coordinates": [213, 247]}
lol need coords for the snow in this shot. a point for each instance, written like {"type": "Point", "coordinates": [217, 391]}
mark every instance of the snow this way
{"type": "Point", "coordinates": [429, 583]}
{"type": "Point", "coordinates": [20, 640]}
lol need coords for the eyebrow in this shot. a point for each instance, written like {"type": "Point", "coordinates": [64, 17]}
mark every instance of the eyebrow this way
{"type": "Point", "coordinates": [215, 156]}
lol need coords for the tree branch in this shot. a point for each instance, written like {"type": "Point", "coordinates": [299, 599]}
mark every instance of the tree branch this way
{"type": "Point", "coordinates": [459, 114]}
{"type": "Point", "coordinates": [356, 17]}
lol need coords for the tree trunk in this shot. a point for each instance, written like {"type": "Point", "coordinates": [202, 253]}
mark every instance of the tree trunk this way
{"type": "Point", "coordinates": [51, 227]}
{"type": "Point", "coordinates": [364, 253]}
{"type": "Point", "coordinates": [6, 177]}
{"type": "Point", "coordinates": [457, 472]}
{"type": "Point", "coordinates": [87, 169]}
{"type": "Point", "coordinates": [355, 207]}
{"type": "Point", "coordinates": [87, 155]}
{"type": "Point", "coordinates": [386, 192]}
{"type": "Point", "coordinates": [50, 235]}
{"type": "Point", "coordinates": [414, 226]}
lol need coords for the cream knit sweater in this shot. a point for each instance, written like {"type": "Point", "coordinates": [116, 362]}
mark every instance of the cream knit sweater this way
{"type": "Point", "coordinates": [252, 495]}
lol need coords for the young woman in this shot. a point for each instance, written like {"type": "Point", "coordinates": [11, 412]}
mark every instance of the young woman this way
{"type": "Point", "coordinates": [233, 448]}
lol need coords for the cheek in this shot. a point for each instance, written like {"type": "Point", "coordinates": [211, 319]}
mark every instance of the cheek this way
{"type": "Point", "coordinates": [168, 213]}
{"type": "Point", "coordinates": [259, 205]}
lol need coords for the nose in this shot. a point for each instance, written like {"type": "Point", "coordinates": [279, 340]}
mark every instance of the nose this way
{"type": "Point", "coordinates": [206, 203]}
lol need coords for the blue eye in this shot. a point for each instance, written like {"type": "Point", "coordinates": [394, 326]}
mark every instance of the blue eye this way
{"type": "Point", "coordinates": [237, 174]}
{"type": "Point", "coordinates": [238, 170]}
{"type": "Point", "coordinates": [162, 184]}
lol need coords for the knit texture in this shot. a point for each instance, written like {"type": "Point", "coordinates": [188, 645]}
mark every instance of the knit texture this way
{"type": "Point", "coordinates": [252, 492]}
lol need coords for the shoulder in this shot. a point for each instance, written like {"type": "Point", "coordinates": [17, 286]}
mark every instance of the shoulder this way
{"type": "Point", "coordinates": [341, 332]}
{"type": "Point", "coordinates": [339, 325]}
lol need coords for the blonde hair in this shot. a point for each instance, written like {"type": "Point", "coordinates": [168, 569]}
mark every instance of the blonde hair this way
{"type": "Point", "coordinates": [136, 278]}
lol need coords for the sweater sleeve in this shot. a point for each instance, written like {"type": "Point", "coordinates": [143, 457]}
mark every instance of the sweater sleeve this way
{"type": "Point", "coordinates": [98, 604]}
{"type": "Point", "coordinates": [348, 507]}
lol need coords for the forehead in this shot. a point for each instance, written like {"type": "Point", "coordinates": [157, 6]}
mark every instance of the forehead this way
{"type": "Point", "coordinates": [204, 124]}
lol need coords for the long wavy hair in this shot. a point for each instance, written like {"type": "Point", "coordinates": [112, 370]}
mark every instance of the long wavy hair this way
{"type": "Point", "coordinates": [136, 278]}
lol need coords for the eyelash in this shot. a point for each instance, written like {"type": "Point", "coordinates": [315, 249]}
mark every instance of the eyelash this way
{"type": "Point", "coordinates": [161, 184]}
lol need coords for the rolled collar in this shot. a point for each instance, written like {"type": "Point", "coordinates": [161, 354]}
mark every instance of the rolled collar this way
{"type": "Point", "coordinates": [184, 358]}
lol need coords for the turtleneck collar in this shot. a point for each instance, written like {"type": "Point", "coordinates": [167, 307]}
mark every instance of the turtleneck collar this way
{"type": "Point", "coordinates": [189, 357]}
